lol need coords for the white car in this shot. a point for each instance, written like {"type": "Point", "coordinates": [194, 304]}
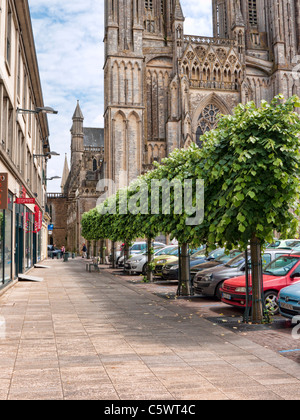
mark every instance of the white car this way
{"type": "Point", "coordinates": [138, 263]}
{"type": "Point", "coordinates": [138, 248]}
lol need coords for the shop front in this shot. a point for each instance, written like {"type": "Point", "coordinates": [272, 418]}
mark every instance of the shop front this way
{"type": "Point", "coordinates": [6, 243]}
{"type": "Point", "coordinates": [21, 230]}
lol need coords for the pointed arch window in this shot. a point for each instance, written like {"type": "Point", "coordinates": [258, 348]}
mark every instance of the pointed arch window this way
{"type": "Point", "coordinates": [95, 165]}
{"type": "Point", "coordinates": [208, 120]}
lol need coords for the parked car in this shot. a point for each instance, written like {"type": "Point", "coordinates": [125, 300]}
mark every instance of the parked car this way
{"type": "Point", "coordinates": [280, 273]}
{"type": "Point", "coordinates": [209, 282]}
{"type": "Point", "coordinates": [287, 243]}
{"type": "Point", "coordinates": [53, 251]}
{"type": "Point", "coordinates": [289, 301]}
{"type": "Point", "coordinates": [137, 248]}
{"type": "Point", "coordinates": [138, 262]}
{"type": "Point", "coordinates": [171, 270]}
{"type": "Point", "coordinates": [211, 263]}
{"type": "Point", "coordinates": [118, 254]}
{"type": "Point", "coordinates": [161, 261]}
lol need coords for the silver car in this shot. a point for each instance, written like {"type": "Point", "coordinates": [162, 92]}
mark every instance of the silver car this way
{"type": "Point", "coordinates": [138, 263]}
{"type": "Point", "coordinates": [208, 282]}
{"type": "Point", "coordinates": [137, 248]}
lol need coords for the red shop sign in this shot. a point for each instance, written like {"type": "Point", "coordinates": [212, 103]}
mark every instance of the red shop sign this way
{"type": "Point", "coordinates": [38, 219]}
{"type": "Point", "coordinates": [25, 201]}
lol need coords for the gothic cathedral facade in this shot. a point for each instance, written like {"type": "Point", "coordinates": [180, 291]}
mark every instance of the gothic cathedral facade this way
{"type": "Point", "coordinates": [164, 88]}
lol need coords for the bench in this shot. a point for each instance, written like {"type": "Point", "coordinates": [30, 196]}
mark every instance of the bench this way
{"type": "Point", "coordinates": [94, 264]}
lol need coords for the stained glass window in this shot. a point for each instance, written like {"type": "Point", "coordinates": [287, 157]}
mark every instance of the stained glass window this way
{"type": "Point", "coordinates": [207, 121]}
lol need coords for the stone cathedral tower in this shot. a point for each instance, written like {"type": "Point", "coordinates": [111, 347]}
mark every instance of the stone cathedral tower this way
{"type": "Point", "coordinates": [163, 88]}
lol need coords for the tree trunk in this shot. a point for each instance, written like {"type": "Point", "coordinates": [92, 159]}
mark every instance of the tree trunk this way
{"type": "Point", "coordinates": [184, 267]}
{"type": "Point", "coordinates": [150, 259]}
{"type": "Point", "coordinates": [126, 253]}
{"type": "Point", "coordinates": [101, 252]}
{"type": "Point", "coordinates": [113, 254]}
{"type": "Point", "coordinates": [257, 280]}
{"type": "Point", "coordinates": [88, 249]}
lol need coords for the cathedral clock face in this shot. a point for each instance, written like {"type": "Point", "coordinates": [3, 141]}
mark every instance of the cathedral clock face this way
{"type": "Point", "coordinates": [207, 121]}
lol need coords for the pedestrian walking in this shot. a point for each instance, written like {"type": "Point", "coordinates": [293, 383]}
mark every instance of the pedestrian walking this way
{"type": "Point", "coordinates": [84, 251]}
{"type": "Point", "coordinates": [63, 250]}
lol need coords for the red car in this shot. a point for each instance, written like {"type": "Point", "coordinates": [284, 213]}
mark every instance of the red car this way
{"type": "Point", "coordinates": [280, 273]}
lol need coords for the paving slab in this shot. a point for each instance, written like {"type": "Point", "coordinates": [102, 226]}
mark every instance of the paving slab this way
{"type": "Point", "coordinates": [99, 336]}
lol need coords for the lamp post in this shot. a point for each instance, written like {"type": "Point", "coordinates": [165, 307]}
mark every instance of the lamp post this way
{"type": "Point", "coordinates": [47, 155]}
{"type": "Point", "coordinates": [37, 110]}
{"type": "Point", "coordinates": [53, 177]}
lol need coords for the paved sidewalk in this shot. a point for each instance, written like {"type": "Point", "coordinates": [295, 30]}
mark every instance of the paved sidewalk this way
{"type": "Point", "coordinates": [80, 335]}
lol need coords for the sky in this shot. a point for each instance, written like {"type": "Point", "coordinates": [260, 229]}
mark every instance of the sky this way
{"type": "Point", "coordinates": [69, 43]}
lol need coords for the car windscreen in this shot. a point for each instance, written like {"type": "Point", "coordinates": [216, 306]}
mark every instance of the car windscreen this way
{"type": "Point", "coordinates": [236, 261]}
{"type": "Point", "coordinates": [281, 266]}
{"type": "Point", "coordinates": [274, 244]}
{"type": "Point", "coordinates": [293, 244]}
{"type": "Point", "coordinates": [198, 254]}
{"type": "Point", "coordinates": [223, 259]}
{"type": "Point", "coordinates": [166, 251]}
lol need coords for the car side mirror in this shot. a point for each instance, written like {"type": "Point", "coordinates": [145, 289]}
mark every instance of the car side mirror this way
{"type": "Point", "coordinates": [243, 268]}
{"type": "Point", "coordinates": [295, 276]}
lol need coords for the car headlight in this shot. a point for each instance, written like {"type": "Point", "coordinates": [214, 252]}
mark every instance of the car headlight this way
{"type": "Point", "coordinates": [208, 277]}
{"type": "Point", "coordinates": [174, 267]}
{"type": "Point", "coordinates": [243, 289]}
{"type": "Point", "coordinates": [161, 262]}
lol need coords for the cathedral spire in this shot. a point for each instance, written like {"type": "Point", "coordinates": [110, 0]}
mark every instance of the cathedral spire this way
{"type": "Point", "coordinates": [78, 118]}
{"type": "Point", "coordinates": [78, 113]}
{"type": "Point", "coordinates": [65, 174]}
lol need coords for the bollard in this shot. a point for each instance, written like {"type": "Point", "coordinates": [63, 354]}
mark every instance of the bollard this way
{"type": "Point", "coordinates": [66, 257]}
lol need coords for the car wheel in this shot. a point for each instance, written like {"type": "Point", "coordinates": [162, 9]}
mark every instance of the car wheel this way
{"type": "Point", "coordinates": [144, 272]}
{"type": "Point", "coordinates": [218, 293]}
{"type": "Point", "coordinates": [271, 302]}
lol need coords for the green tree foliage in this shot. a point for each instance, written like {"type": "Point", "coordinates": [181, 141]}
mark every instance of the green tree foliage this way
{"type": "Point", "coordinates": [252, 162]}
{"type": "Point", "coordinates": [250, 169]}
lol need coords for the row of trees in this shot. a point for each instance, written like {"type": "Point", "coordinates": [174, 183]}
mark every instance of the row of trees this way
{"type": "Point", "coordinates": [250, 170]}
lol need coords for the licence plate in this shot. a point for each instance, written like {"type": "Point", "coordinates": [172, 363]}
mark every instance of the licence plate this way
{"type": "Point", "coordinates": [286, 306]}
{"type": "Point", "coordinates": [226, 296]}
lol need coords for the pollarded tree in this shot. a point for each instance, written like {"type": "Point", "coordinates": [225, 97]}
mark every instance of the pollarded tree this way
{"type": "Point", "coordinates": [177, 205]}
{"type": "Point", "coordinates": [253, 165]}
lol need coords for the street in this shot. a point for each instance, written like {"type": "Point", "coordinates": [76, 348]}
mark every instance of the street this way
{"type": "Point", "coordinates": [81, 335]}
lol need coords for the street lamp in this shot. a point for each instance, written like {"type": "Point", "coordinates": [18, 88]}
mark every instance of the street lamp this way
{"type": "Point", "coordinates": [54, 177]}
{"type": "Point", "coordinates": [47, 155]}
{"type": "Point", "coordinates": [37, 110]}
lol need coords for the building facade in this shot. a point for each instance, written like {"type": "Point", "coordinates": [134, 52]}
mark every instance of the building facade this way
{"type": "Point", "coordinates": [24, 143]}
{"type": "Point", "coordinates": [79, 192]}
{"type": "Point", "coordinates": [165, 88]}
